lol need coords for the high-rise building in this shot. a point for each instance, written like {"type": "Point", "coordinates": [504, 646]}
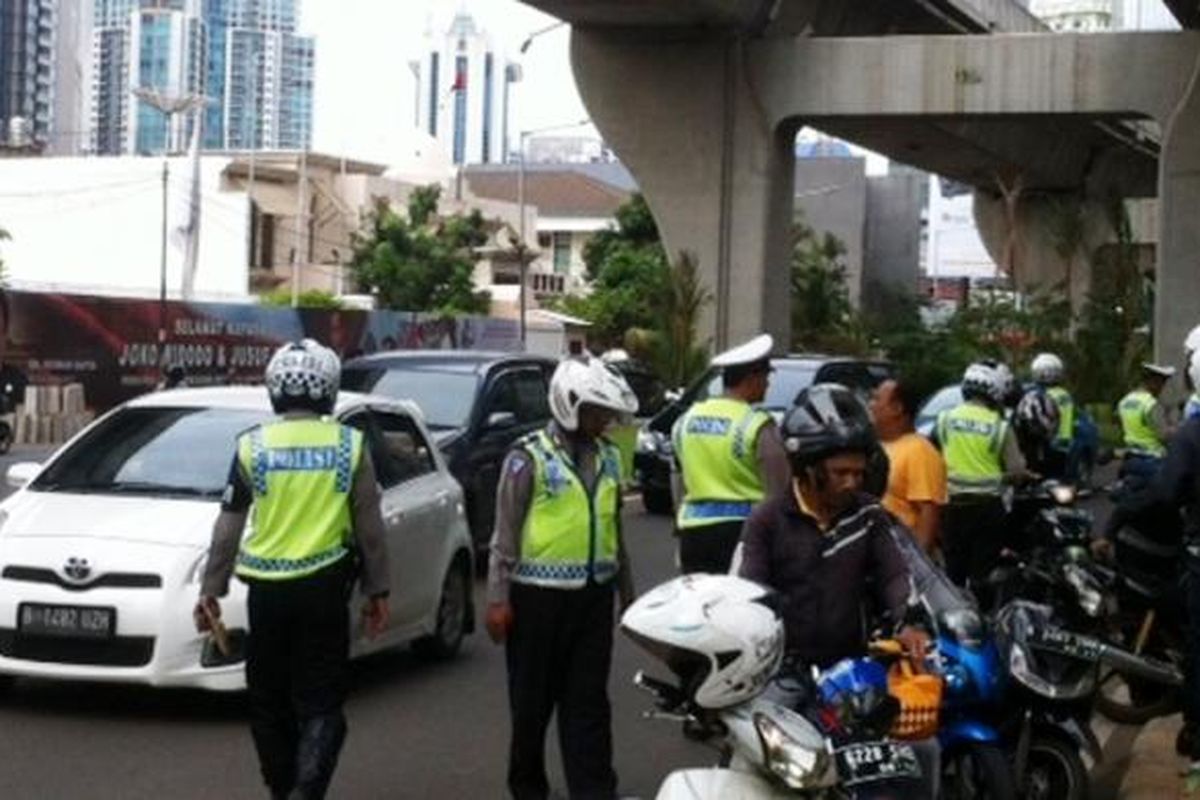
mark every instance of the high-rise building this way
{"type": "Point", "coordinates": [72, 61]}
{"type": "Point", "coordinates": [243, 55]}
{"type": "Point", "coordinates": [463, 93]}
{"type": "Point", "coordinates": [1076, 16]}
{"type": "Point", "coordinates": [26, 71]}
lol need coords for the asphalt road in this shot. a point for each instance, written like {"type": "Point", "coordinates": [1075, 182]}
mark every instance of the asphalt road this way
{"type": "Point", "coordinates": [417, 730]}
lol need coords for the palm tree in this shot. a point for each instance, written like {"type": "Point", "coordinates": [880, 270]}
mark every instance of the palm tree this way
{"type": "Point", "coordinates": [678, 356]}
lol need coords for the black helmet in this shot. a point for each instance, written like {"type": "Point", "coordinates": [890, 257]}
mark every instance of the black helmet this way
{"type": "Point", "coordinates": [827, 419]}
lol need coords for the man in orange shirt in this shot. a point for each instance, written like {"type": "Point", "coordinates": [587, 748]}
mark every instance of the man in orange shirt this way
{"type": "Point", "coordinates": [916, 488]}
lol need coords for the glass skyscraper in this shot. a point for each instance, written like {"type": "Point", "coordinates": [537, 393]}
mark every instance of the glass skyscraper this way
{"type": "Point", "coordinates": [243, 55]}
{"type": "Point", "coordinates": [26, 69]}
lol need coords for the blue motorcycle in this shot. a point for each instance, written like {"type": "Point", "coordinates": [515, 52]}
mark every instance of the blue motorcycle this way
{"type": "Point", "coordinates": [975, 763]}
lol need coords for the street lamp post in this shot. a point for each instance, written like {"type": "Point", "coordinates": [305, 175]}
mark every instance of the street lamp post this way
{"type": "Point", "coordinates": [168, 106]}
{"type": "Point", "coordinates": [522, 249]}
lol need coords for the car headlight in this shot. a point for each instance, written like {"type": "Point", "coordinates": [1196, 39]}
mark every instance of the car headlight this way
{"type": "Point", "coordinates": [800, 765]}
{"type": "Point", "coordinates": [1063, 495]}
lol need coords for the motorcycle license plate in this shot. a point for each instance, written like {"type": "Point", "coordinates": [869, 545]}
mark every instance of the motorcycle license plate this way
{"type": "Point", "coordinates": [868, 762]}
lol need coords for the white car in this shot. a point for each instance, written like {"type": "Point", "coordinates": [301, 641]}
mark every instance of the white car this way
{"type": "Point", "coordinates": [102, 548]}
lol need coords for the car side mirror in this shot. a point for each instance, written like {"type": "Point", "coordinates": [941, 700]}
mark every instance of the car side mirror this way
{"type": "Point", "coordinates": [499, 420]}
{"type": "Point", "coordinates": [22, 473]}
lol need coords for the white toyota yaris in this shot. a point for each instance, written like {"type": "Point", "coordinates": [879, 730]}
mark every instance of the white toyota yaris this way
{"type": "Point", "coordinates": [102, 548]}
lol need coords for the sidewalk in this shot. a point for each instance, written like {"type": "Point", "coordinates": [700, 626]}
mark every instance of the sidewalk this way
{"type": "Point", "coordinates": [1151, 768]}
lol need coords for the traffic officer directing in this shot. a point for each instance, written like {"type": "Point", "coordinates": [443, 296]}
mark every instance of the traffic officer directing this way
{"type": "Point", "coordinates": [1144, 423]}
{"type": "Point", "coordinates": [556, 556]}
{"type": "Point", "coordinates": [730, 457]}
{"type": "Point", "coordinates": [981, 454]}
{"type": "Point", "coordinates": [308, 486]}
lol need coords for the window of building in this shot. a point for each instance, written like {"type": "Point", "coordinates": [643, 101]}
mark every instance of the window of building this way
{"type": "Point", "coordinates": [460, 109]}
{"type": "Point", "coordinates": [487, 108]}
{"type": "Point", "coordinates": [562, 252]}
{"type": "Point", "coordinates": [433, 94]}
{"type": "Point", "coordinates": [543, 241]}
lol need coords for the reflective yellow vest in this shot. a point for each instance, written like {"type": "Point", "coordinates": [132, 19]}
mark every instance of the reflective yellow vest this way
{"type": "Point", "coordinates": [301, 473]}
{"type": "Point", "coordinates": [972, 439]}
{"type": "Point", "coordinates": [569, 536]}
{"type": "Point", "coordinates": [1066, 415]}
{"type": "Point", "coordinates": [1135, 410]}
{"type": "Point", "coordinates": [715, 445]}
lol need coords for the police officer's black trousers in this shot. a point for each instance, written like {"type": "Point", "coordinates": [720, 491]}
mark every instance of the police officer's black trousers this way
{"type": "Point", "coordinates": [296, 669]}
{"type": "Point", "coordinates": [709, 548]}
{"type": "Point", "coordinates": [973, 534]}
{"type": "Point", "coordinates": [559, 653]}
{"type": "Point", "coordinates": [1191, 682]}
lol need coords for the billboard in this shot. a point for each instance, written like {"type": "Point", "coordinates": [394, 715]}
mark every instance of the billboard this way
{"type": "Point", "coordinates": [111, 345]}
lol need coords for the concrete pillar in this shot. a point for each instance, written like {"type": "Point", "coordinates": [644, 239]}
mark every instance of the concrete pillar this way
{"type": "Point", "coordinates": [681, 113]}
{"type": "Point", "coordinates": [1177, 289]}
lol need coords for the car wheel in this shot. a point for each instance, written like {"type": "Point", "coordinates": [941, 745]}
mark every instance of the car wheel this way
{"type": "Point", "coordinates": [451, 626]}
{"type": "Point", "coordinates": [658, 501]}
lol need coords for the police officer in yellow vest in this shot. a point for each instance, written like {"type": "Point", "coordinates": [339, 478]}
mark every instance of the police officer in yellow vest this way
{"type": "Point", "coordinates": [1144, 424]}
{"type": "Point", "coordinates": [1047, 372]}
{"type": "Point", "coordinates": [981, 455]}
{"type": "Point", "coordinates": [730, 457]}
{"type": "Point", "coordinates": [308, 487]}
{"type": "Point", "coordinates": [556, 557]}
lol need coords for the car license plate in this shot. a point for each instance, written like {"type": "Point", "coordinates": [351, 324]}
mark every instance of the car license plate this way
{"type": "Point", "coordinates": [868, 762]}
{"type": "Point", "coordinates": [78, 622]}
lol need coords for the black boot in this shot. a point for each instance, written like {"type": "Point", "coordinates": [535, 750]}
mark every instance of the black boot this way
{"type": "Point", "coordinates": [321, 741]}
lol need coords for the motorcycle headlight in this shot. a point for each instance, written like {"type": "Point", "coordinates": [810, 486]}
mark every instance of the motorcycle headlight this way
{"type": "Point", "coordinates": [647, 441]}
{"type": "Point", "coordinates": [1063, 495]}
{"type": "Point", "coordinates": [800, 765]}
{"type": "Point", "coordinates": [1021, 669]}
{"type": "Point", "coordinates": [1091, 599]}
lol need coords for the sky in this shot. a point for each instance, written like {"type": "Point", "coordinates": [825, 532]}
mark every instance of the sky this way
{"type": "Point", "coordinates": [363, 98]}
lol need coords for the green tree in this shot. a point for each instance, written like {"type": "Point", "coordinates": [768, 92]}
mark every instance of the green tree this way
{"type": "Point", "coordinates": [628, 272]}
{"type": "Point", "coordinates": [822, 316]}
{"type": "Point", "coordinates": [1112, 339]}
{"type": "Point", "coordinates": [312, 298]}
{"type": "Point", "coordinates": [422, 261]}
{"type": "Point", "coordinates": [677, 355]}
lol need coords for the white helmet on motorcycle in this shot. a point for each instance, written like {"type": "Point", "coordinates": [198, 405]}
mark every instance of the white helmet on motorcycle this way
{"type": "Point", "coordinates": [1047, 369]}
{"type": "Point", "coordinates": [1194, 368]}
{"type": "Point", "coordinates": [588, 380]}
{"type": "Point", "coordinates": [1192, 343]}
{"type": "Point", "coordinates": [720, 634]}
{"type": "Point", "coordinates": [987, 380]}
{"type": "Point", "coordinates": [303, 375]}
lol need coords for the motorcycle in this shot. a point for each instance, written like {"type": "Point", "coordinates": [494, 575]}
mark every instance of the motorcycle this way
{"type": "Point", "coordinates": [974, 762]}
{"type": "Point", "coordinates": [722, 639]}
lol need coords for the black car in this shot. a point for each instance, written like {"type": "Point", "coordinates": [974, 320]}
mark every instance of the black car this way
{"type": "Point", "coordinates": [654, 454]}
{"type": "Point", "coordinates": [475, 404]}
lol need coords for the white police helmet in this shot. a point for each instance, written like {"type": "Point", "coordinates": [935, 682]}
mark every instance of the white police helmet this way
{"type": "Point", "coordinates": [303, 375]}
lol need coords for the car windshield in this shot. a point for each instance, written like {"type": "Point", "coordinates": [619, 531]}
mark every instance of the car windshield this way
{"type": "Point", "coordinates": [173, 452]}
{"type": "Point", "coordinates": [786, 382]}
{"type": "Point", "coordinates": [445, 398]}
{"type": "Point", "coordinates": [946, 398]}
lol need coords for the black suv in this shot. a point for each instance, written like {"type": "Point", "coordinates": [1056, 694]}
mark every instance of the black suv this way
{"type": "Point", "coordinates": [654, 454]}
{"type": "Point", "coordinates": [475, 405]}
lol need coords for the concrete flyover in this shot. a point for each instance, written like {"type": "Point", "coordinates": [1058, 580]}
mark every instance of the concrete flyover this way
{"type": "Point", "coordinates": [702, 102]}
